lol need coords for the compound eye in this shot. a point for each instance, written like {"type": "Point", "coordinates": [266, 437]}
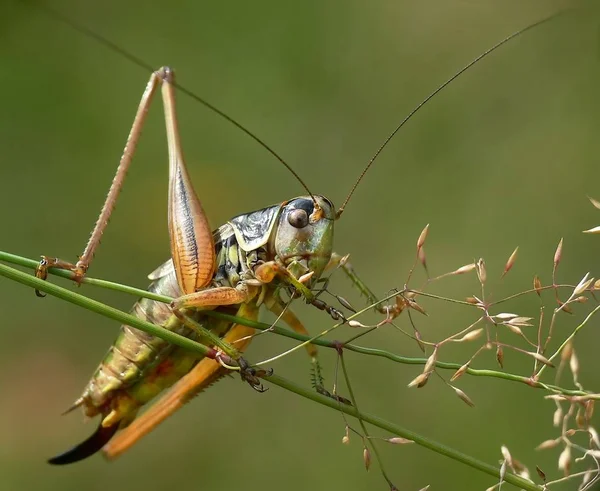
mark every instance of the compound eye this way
{"type": "Point", "coordinates": [298, 218]}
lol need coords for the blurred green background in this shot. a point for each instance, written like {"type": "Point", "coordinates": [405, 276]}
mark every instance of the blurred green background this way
{"type": "Point", "coordinates": [504, 157]}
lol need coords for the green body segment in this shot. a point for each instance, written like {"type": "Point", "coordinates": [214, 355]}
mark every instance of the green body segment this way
{"type": "Point", "coordinates": [139, 366]}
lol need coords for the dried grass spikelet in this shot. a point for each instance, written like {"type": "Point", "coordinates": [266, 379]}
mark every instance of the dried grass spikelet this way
{"type": "Point", "coordinates": [583, 285]}
{"type": "Point", "coordinates": [420, 380]}
{"type": "Point", "coordinates": [422, 258]}
{"type": "Point", "coordinates": [565, 460]}
{"type": "Point", "coordinates": [500, 356]}
{"type": "Point", "coordinates": [594, 202]}
{"type": "Point", "coordinates": [564, 307]}
{"type": "Point", "coordinates": [430, 363]}
{"type": "Point", "coordinates": [514, 329]}
{"type": "Point", "coordinates": [367, 458]}
{"type": "Point", "coordinates": [558, 253]}
{"type": "Point", "coordinates": [574, 365]}
{"type": "Point", "coordinates": [502, 471]}
{"type": "Point", "coordinates": [511, 261]}
{"type": "Point", "coordinates": [506, 454]}
{"type": "Point", "coordinates": [399, 440]}
{"type": "Point", "coordinates": [521, 469]}
{"type": "Point", "coordinates": [580, 418]}
{"type": "Point", "coordinates": [422, 237]}
{"type": "Point", "coordinates": [415, 306]}
{"type": "Point", "coordinates": [539, 357]}
{"type": "Point", "coordinates": [594, 435]}
{"type": "Point", "coordinates": [593, 230]}
{"type": "Point", "coordinates": [346, 438]}
{"type": "Point", "coordinates": [355, 323]}
{"type": "Point", "coordinates": [547, 444]}
{"type": "Point", "coordinates": [467, 268]}
{"type": "Point", "coordinates": [345, 303]}
{"type": "Point", "coordinates": [471, 336]}
{"type": "Point", "coordinates": [589, 411]}
{"type": "Point", "coordinates": [537, 285]}
{"type": "Point", "coordinates": [557, 417]}
{"type": "Point", "coordinates": [519, 322]}
{"type": "Point", "coordinates": [481, 271]}
{"type": "Point", "coordinates": [463, 397]}
{"type": "Point", "coordinates": [540, 473]}
{"type": "Point", "coordinates": [565, 354]}
{"type": "Point", "coordinates": [460, 372]}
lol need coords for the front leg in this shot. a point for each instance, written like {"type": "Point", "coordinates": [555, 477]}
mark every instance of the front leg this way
{"type": "Point", "coordinates": [211, 298]}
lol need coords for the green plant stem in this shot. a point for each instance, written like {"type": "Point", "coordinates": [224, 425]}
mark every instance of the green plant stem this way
{"type": "Point", "coordinates": [174, 338]}
{"type": "Point", "coordinates": [177, 339]}
{"type": "Point", "coordinates": [102, 309]}
{"type": "Point", "coordinates": [404, 433]}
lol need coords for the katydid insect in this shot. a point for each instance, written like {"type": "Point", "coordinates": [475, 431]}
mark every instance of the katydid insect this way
{"type": "Point", "coordinates": [237, 268]}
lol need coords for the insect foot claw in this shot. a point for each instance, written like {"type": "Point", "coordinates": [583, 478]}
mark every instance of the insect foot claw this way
{"type": "Point", "coordinates": [324, 392]}
{"type": "Point", "coordinates": [335, 314]}
{"type": "Point", "coordinates": [252, 375]}
{"type": "Point", "coordinates": [41, 271]}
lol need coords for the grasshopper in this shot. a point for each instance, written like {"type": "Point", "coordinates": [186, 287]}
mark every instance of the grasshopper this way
{"type": "Point", "coordinates": [237, 268]}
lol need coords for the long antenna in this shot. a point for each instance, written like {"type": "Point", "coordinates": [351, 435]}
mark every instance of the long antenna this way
{"type": "Point", "coordinates": [436, 91]}
{"type": "Point", "coordinates": [139, 62]}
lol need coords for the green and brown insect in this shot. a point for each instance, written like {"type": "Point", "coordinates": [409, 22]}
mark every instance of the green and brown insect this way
{"type": "Point", "coordinates": [237, 268]}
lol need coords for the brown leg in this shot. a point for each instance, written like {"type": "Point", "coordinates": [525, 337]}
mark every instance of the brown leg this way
{"type": "Point", "coordinates": [192, 246]}
{"type": "Point", "coordinates": [85, 259]}
{"type": "Point", "coordinates": [205, 373]}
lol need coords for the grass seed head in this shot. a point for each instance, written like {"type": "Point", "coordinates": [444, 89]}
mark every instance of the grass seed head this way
{"type": "Point", "coordinates": [537, 285]}
{"type": "Point", "coordinates": [546, 444]}
{"type": "Point", "coordinates": [463, 397]}
{"type": "Point", "coordinates": [460, 372]}
{"type": "Point", "coordinates": [511, 261]}
{"type": "Point", "coordinates": [594, 202]}
{"type": "Point", "coordinates": [422, 258]}
{"type": "Point", "coordinates": [541, 358]}
{"type": "Point", "coordinates": [583, 285]}
{"type": "Point", "coordinates": [580, 418]}
{"type": "Point", "coordinates": [589, 411]}
{"type": "Point", "coordinates": [481, 271]}
{"type": "Point", "coordinates": [557, 417]}
{"type": "Point", "coordinates": [367, 458]}
{"type": "Point", "coordinates": [420, 380]}
{"type": "Point", "coordinates": [346, 438]}
{"type": "Point", "coordinates": [467, 268]}
{"type": "Point", "coordinates": [558, 253]}
{"type": "Point", "coordinates": [540, 473]}
{"type": "Point", "coordinates": [430, 364]}
{"type": "Point", "coordinates": [567, 351]}
{"type": "Point", "coordinates": [422, 237]}
{"type": "Point", "coordinates": [399, 440]}
{"type": "Point", "coordinates": [564, 460]}
{"type": "Point", "coordinates": [472, 336]}
{"type": "Point", "coordinates": [594, 436]}
{"type": "Point", "coordinates": [574, 364]}
{"type": "Point", "coordinates": [500, 356]}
